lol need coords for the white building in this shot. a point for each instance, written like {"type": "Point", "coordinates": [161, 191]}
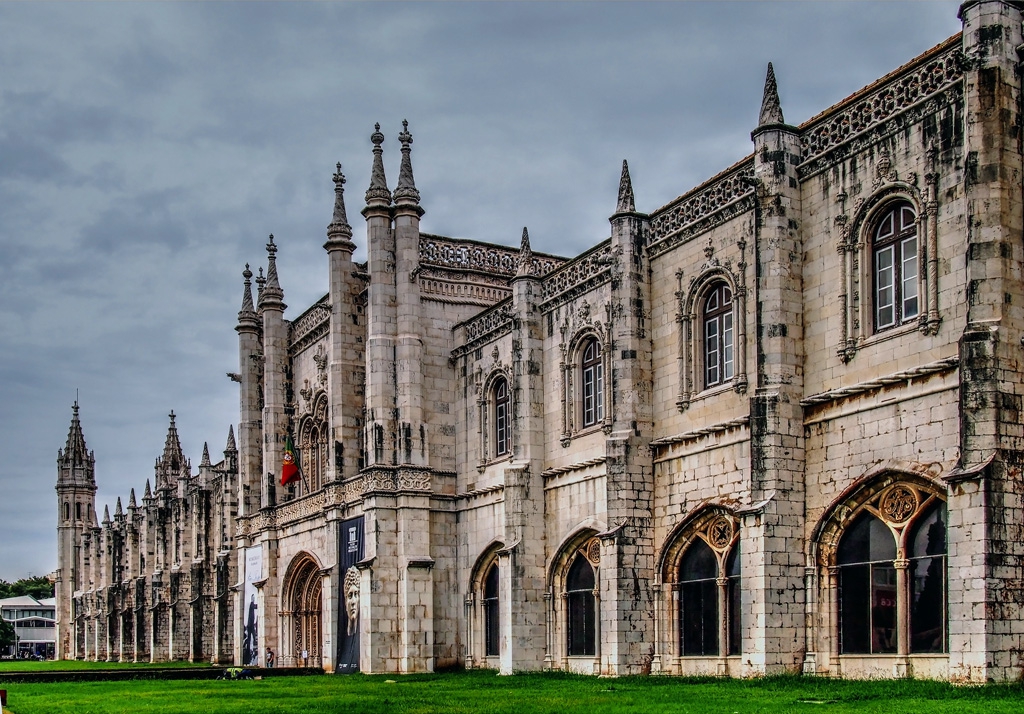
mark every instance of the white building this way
{"type": "Point", "coordinates": [35, 625]}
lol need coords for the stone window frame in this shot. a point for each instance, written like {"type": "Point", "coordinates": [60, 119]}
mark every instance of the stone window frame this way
{"type": "Point", "coordinates": [572, 383]}
{"type": "Point", "coordinates": [502, 405]}
{"type": "Point", "coordinates": [879, 495]}
{"type": "Point", "coordinates": [584, 542]}
{"type": "Point", "coordinates": [690, 347]}
{"type": "Point", "coordinates": [476, 615]}
{"type": "Point", "coordinates": [487, 413]}
{"type": "Point", "coordinates": [857, 281]}
{"type": "Point", "coordinates": [313, 432]}
{"type": "Point", "coordinates": [719, 528]}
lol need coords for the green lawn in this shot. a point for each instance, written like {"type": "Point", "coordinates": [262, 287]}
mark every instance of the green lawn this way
{"type": "Point", "coordinates": [487, 693]}
{"type": "Point", "coordinates": [71, 665]}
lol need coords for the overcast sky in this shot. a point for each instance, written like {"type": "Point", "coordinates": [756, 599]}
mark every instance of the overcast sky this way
{"type": "Point", "coordinates": [146, 151]}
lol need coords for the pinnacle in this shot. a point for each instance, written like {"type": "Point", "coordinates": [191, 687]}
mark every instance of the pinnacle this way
{"type": "Point", "coordinates": [625, 204]}
{"type": "Point", "coordinates": [118, 511]}
{"type": "Point", "coordinates": [406, 190]}
{"type": "Point", "coordinates": [231, 439]}
{"type": "Point", "coordinates": [206, 455]}
{"type": "Point", "coordinates": [272, 292]}
{"type": "Point", "coordinates": [131, 500]}
{"type": "Point", "coordinates": [149, 491]}
{"type": "Point", "coordinates": [106, 514]}
{"type": "Point", "coordinates": [75, 452]}
{"type": "Point", "coordinates": [525, 263]}
{"type": "Point", "coordinates": [339, 232]}
{"type": "Point", "coordinates": [248, 309]}
{"type": "Point", "coordinates": [378, 191]}
{"type": "Point", "coordinates": [771, 108]}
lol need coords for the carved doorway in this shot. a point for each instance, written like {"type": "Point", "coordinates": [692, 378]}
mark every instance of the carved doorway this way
{"type": "Point", "coordinates": [306, 606]}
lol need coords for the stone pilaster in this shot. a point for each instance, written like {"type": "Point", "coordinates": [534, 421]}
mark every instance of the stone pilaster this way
{"type": "Point", "coordinates": [627, 558]}
{"type": "Point", "coordinates": [772, 537]}
{"type": "Point", "coordinates": [986, 504]}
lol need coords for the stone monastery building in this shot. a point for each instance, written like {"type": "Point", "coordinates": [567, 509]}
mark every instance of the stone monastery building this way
{"type": "Point", "coordinates": [774, 425]}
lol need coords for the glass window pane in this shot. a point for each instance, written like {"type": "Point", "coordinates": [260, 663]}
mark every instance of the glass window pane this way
{"type": "Point", "coordinates": [727, 346]}
{"type": "Point", "coordinates": [909, 285]}
{"type": "Point", "coordinates": [699, 562]}
{"type": "Point", "coordinates": [698, 617]}
{"type": "Point", "coordinates": [867, 540]}
{"type": "Point", "coordinates": [884, 286]}
{"type": "Point", "coordinates": [581, 575]}
{"type": "Point", "coordinates": [854, 609]}
{"type": "Point", "coordinates": [927, 550]}
{"type": "Point", "coordinates": [883, 608]}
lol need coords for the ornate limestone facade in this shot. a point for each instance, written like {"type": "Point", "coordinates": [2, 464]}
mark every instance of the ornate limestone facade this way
{"type": "Point", "coordinates": [771, 426]}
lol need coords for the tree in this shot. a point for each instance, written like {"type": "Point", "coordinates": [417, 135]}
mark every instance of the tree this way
{"type": "Point", "coordinates": [7, 638]}
{"type": "Point", "coordinates": [37, 586]}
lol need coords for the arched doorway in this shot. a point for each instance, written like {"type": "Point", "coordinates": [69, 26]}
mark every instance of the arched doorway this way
{"type": "Point", "coordinates": [306, 604]}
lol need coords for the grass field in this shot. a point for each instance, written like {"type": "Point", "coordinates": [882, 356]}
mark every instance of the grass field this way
{"type": "Point", "coordinates": [28, 665]}
{"type": "Point", "coordinates": [486, 693]}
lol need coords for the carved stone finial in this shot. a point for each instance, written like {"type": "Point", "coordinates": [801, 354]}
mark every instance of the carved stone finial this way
{"type": "Point", "coordinates": [771, 108]}
{"type": "Point", "coordinates": [625, 204]}
{"type": "Point", "coordinates": [405, 191]}
{"type": "Point", "coordinates": [149, 491]}
{"type": "Point", "coordinates": [272, 294]}
{"type": "Point", "coordinates": [339, 227]}
{"type": "Point", "coordinates": [206, 455]}
{"type": "Point", "coordinates": [248, 308]}
{"type": "Point", "coordinates": [118, 510]}
{"type": "Point", "coordinates": [132, 504]}
{"type": "Point", "coordinates": [378, 191]}
{"type": "Point", "coordinates": [525, 264]}
{"type": "Point", "coordinates": [230, 446]}
{"type": "Point", "coordinates": [106, 515]}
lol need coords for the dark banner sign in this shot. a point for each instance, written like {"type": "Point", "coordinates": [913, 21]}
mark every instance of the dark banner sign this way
{"type": "Point", "coordinates": [351, 552]}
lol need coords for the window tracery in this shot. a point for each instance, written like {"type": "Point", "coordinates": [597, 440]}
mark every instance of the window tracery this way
{"type": "Point", "coordinates": [313, 447]}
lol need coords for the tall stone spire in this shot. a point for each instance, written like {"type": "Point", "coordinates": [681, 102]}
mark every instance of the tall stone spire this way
{"type": "Point", "coordinates": [231, 439]}
{"type": "Point", "coordinates": [378, 191]}
{"type": "Point", "coordinates": [148, 494]}
{"type": "Point", "coordinates": [406, 191]}
{"type": "Point", "coordinates": [525, 263]}
{"type": "Point", "coordinates": [206, 455]}
{"type": "Point", "coordinates": [272, 292]}
{"type": "Point", "coordinates": [771, 108]}
{"type": "Point", "coordinates": [106, 515]}
{"type": "Point", "coordinates": [625, 204]}
{"type": "Point", "coordinates": [339, 232]}
{"type": "Point", "coordinates": [118, 510]}
{"type": "Point", "coordinates": [172, 462]}
{"type": "Point", "coordinates": [74, 453]}
{"type": "Point", "coordinates": [132, 503]}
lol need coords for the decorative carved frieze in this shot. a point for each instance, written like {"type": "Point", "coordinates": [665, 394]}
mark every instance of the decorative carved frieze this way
{"type": "Point", "coordinates": [700, 203]}
{"type": "Point", "coordinates": [581, 275]}
{"type": "Point", "coordinates": [310, 326]}
{"type": "Point", "coordinates": [915, 84]}
{"type": "Point", "coordinates": [466, 255]}
{"type": "Point", "coordinates": [497, 319]}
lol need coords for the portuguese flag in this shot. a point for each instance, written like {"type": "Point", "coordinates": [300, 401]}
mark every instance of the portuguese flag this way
{"type": "Point", "coordinates": [289, 469]}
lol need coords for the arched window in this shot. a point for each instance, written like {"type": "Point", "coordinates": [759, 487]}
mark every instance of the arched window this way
{"type": "Point", "coordinates": [313, 453]}
{"type": "Point", "coordinates": [582, 607]}
{"type": "Point", "coordinates": [78, 510]}
{"type": "Point", "coordinates": [872, 580]}
{"type": "Point", "coordinates": [703, 594]}
{"type": "Point", "coordinates": [67, 511]}
{"type": "Point", "coordinates": [502, 418]}
{"type": "Point", "coordinates": [927, 553]}
{"type": "Point", "coordinates": [867, 587]}
{"type": "Point", "coordinates": [491, 622]}
{"type": "Point", "coordinates": [718, 335]}
{"type": "Point", "coordinates": [592, 381]}
{"type": "Point", "coordinates": [894, 259]}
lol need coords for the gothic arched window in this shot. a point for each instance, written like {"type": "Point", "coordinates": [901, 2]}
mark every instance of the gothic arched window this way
{"type": "Point", "coordinates": [67, 511]}
{"type": "Point", "coordinates": [581, 607]}
{"type": "Point", "coordinates": [716, 317]}
{"type": "Point", "coordinates": [502, 417]}
{"type": "Point", "coordinates": [313, 452]}
{"type": "Point", "coordinates": [492, 631]}
{"type": "Point", "coordinates": [705, 588]}
{"type": "Point", "coordinates": [592, 382]}
{"type": "Point", "coordinates": [873, 582]}
{"type": "Point", "coordinates": [894, 251]}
